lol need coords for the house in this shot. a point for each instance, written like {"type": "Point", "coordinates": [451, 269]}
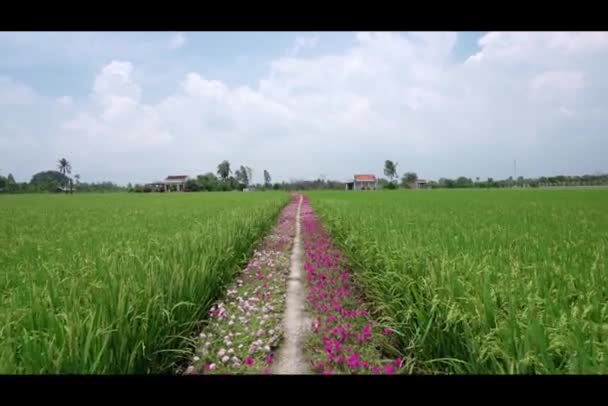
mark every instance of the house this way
{"type": "Point", "coordinates": [173, 183]}
{"type": "Point", "coordinates": [363, 182]}
{"type": "Point", "coordinates": [176, 183]}
{"type": "Point", "coordinates": [420, 184]}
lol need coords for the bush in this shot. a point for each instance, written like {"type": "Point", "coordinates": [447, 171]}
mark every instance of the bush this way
{"type": "Point", "coordinates": [390, 186]}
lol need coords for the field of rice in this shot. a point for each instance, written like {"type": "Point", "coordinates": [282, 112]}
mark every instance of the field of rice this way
{"type": "Point", "coordinates": [482, 281]}
{"type": "Point", "coordinates": [117, 283]}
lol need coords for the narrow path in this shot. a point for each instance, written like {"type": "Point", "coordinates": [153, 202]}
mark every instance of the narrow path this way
{"type": "Point", "coordinates": [290, 357]}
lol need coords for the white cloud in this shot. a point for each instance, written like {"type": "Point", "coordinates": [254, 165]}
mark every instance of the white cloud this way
{"type": "Point", "coordinates": [13, 93]}
{"type": "Point", "coordinates": [390, 96]}
{"type": "Point", "coordinates": [177, 41]}
{"type": "Point", "coordinates": [303, 43]}
{"type": "Point", "coordinates": [65, 101]}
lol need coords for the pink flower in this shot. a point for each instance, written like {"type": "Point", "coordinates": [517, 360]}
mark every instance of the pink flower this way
{"type": "Point", "coordinates": [389, 369]}
{"type": "Point", "coordinates": [365, 364]}
{"type": "Point", "coordinates": [375, 370]}
{"type": "Point", "coordinates": [249, 361]}
{"type": "Point", "coordinates": [353, 361]}
{"type": "Point", "coordinates": [266, 371]}
{"type": "Point", "coordinates": [268, 358]}
{"type": "Point", "coordinates": [398, 362]}
{"type": "Point", "coordinates": [387, 331]}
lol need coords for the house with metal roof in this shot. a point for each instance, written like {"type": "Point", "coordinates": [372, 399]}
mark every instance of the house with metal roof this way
{"type": "Point", "coordinates": [363, 182]}
{"type": "Point", "coordinates": [173, 183]}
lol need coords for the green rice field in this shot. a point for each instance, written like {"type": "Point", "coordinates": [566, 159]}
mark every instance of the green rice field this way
{"type": "Point", "coordinates": [116, 283]}
{"type": "Point", "coordinates": [482, 281]}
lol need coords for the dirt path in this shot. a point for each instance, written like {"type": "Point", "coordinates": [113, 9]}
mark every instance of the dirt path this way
{"type": "Point", "coordinates": [290, 358]}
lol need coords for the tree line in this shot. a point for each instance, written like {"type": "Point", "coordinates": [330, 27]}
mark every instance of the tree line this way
{"type": "Point", "coordinates": [55, 181]}
{"type": "Point", "coordinates": [409, 179]}
{"type": "Point", "coordinates": [225, 179]}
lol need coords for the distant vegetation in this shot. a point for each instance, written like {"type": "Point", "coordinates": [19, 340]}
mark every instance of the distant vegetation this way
{"type": "Point", "coordinates": [226, 180]}
{"type": "Point", "coordinates": [53, 181]}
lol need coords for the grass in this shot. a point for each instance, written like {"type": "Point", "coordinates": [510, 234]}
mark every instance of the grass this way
{"type": "Point", "coordinates": [117, 283]}
{"type": "Point", "coordinates": [498, 281]}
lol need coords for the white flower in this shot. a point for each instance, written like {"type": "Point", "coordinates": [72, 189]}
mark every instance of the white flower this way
{"type": "Point", "coordinates": [230, 323]}
{"type": "Point", "coordinates": [207, 344]}
{"type": "Point", "coordinates": [267, 348]}
{"type": "Point", "coordinates": [190, 369]}
{"type": "Point", "coordinates": [262, 322]}
{"type": "Point", "coordinates": [225, 358]}
{"type": "Point", "coordinates": [212, 366]}
{"type": "Point", "coordinates": [259, 332]}
{"type": "Point", "coordinates": [202, 335]}
{"type": "Point", "coordinates": [221, 352]}
{"type": "Point", "coordinates": [196, 359]}
{"type": "Point", "coordinates": [265, 317]}
{"type": "Point", "coordinates": [229, 343]}
{"type": "Point", "coordinates": [240, 346]}
{"type": "Point", "coordinates": [271, 332]}
{"type": "Point", "coordinates": [231, 351]}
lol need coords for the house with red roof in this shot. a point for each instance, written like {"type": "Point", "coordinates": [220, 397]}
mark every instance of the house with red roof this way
{"type": "Point", "coordinates": [363, 182]}
{"type": "Point", "coordinates": [171, 183]}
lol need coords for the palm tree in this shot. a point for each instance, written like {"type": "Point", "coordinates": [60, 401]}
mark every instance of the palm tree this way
{"type": "Point", "coordinates": [64, 167]}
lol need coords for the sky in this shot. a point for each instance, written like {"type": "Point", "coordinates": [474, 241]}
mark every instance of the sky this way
{"type": "Point", "coordinates": [139, 106]}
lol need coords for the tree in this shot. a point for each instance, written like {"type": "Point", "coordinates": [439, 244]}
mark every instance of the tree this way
{"type": "Point", "coordinates": [463, 182]}
{"type": "Point", "coordinates": [390, 169]}
{"type": "Point", "coordinates": [408, 179]}
{"type": "Point", "coordinates": [267, 178]}
{"type": "Point", "coordinates": [192, 186]}
{"type": "Point", "coordinates": [48, 181]}
{"type": "Point", "coordinates": [77, 177]}
{"type": "Point", "coordinates": [249, 173]}
{"type": "Point", "coordinates": [223, 170]}
{"type": "Point", "coordinates": [65, 167]}
{"type": "Point", "coordinates": [208, 182]}
{"type": "Point", "coordinates": [242, 175]}
{"type": "Point", "coordinates": [11, 185]}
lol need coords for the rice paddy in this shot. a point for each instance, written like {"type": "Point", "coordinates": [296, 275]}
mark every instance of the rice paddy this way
{"type": "Point", "coordinates": [498, 281]}
{"type": "Point", "coordinates": [117, 283]}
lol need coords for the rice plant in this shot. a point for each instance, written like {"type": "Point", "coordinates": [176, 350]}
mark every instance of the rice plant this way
{"type": "Point", "coordinates": [498, 282]}
{"type": "Point", "coordinates": [118, 283]}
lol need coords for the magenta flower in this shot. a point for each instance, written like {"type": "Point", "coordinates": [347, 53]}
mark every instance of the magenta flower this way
{"type": "Point", "coordinates": [387, 331]}
{"type": "Point", "coordinates": [353, 361]}
{"type": "Point", "coordinates": [375, 370]}
{"type": "Point", "coordinates": [268, 358]}
{"type": "Point", "coordinates": [249, 361]}
{"type": "Point", "coordinates": [389, 369]}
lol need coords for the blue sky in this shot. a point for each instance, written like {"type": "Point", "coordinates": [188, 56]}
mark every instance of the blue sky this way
{"type": "Point", "coordinates": [137, 106]}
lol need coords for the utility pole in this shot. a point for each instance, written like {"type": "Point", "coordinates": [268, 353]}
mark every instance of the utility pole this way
{"type": "Point", "coordinates": [514, 170]}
